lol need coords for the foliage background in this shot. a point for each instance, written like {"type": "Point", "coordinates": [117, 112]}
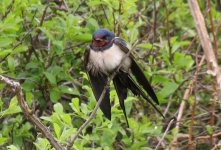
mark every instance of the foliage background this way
{"type": "Point", "coordinates": [42, 45]}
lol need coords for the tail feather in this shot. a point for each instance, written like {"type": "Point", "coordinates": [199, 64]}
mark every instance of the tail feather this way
{"type": "Point", "coordinates": [142, 80]}
{"type": "Point", "coordinates": [128, 81]}
{"type": "Point", "coordinates": [121, 90]}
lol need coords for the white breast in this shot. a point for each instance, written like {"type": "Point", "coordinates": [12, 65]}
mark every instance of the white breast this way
{"type": "Point", "coordinates": [106, 61]}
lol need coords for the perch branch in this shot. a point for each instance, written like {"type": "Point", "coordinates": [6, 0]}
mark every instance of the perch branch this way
{"type": "Point", "coordinates": [29, 114]}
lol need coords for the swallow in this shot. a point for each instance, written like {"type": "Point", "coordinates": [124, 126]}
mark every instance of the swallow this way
{"type": "Point", "coordinates": [101, 58]}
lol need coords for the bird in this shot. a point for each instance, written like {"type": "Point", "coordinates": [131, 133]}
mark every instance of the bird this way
{"type": "Point", "coordinates": [101, 58]}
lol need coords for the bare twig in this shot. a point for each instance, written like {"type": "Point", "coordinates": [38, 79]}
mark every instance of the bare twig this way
{"type": "Point", "coordinates": [193, 107]}
{"type": "Point", "coordinates": [16, 45]}
{"type": "Point", "coordinates": [8, 10]}
{"type": "Point", "coordinates": [168, 32]}
{"type": "Point", "coordinates": [197, 138]}
{"type": "Point", "coordinates": [166, 131]}
{"type": "Point", "coordinates": [82, 2]}
{"type": "Point", "coordinates": [30, 115]}
{"type": "Point", "coordinates": [215, 42]}
{"type": "Point", "coordinates": [155, 21]}
{"type": "Point", "coordinates": [105, 14]}
{"type": "Point", "coordinates": [183, 103]}
{"type": "Point", "coordinates": [190, 143]}
{"type": "Point", "coordinates": [73, 138]}
{"type": "Point", "coordinates": [119, 19]}
{"type": "Point", "coordinates": [213, 29]}
{"type": "Point", "coordinates": [206, 43]}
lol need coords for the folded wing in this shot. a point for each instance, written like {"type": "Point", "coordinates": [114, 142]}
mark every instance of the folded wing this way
{"type": "Point", "coordinates": [140, 78]}
{"type": "Point", "coordinates": [98, 82]}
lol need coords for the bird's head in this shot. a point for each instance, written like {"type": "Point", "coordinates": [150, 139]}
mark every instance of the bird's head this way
{"type": "Point", "coordinates": [102, 39]}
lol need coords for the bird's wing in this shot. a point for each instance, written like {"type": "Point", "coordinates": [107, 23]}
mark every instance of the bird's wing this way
{"type": "Point", "coordinates": [128, 81]}
{"type": "Point", "coordinates": [136, 71]}
{"type": "Point", "coordinates": [123, 81]}
{"type": "Point", "coordinates": [121, 90]}
{"type": "Point", "coordinates": [98, 82]}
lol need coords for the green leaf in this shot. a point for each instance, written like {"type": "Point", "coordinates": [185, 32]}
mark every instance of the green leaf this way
{"type": "Point", "coordinates": [92, 24]}
{"type": "Point", "coordinates": [168, 89]}
{"type": "Point", "coordinates": [11, 63]}
{"type": "Point", "coordinates": [42, 144]}
{"type": "Point", "coordinates": [19, 49]}
{"type": "Point", "coordinates": [3, 140]}
{"type": "Point", "coordinates": [68, 90]}
{"type": "Point", "coordinates": [28, 85]}
{"type": "Point", "coordinates": [58, 47]}
{"type": "Point", "coordinates": [12, 147]}
{"type": "Point", "coordinates": [84, 108]}
{"type": "Point", "coordinates": [29, 97]}
{"type": "Point", "coordinates": [55, 70]}
{"type": "Point", "coordinates": [48, 34]}
{"type": "Point", "coordinates": [32, 65]}
{"type": "Point", "coordinates": [67, 133]}
{"type": "Point", "coordinates": [13, 108]}
{"type": "Point", "coordinates": [49, 119]}
{"type": "Point", "coordinates": [67, 119]}
{"type": "Point", "coordinates": [5, 41]}
{"type": "Point", "coordinates": [55, 94]}
{"type": "Point", "coordinates": [107, 138]}
{"type": "Point", "coordinates": [94, 3]}
{"type": "Point", "coordinates": [4, 52]}
{"type": "Point", "coordinates": [58, 108]}
{"type": "Point", "coordinates": [57, 130]}
{"type": "Point", "coordinates": [83, 37]}
{"type": "Point", "coordinates": [146, 46]}
{"type": "Point", "coordinates": [51, 78]}
{"type": "Point", "coordinates": [209, 129]}
{"type": "Point", "coordinates": [183, 61]}
{"type": "Point", "coordinates": [75, 105]}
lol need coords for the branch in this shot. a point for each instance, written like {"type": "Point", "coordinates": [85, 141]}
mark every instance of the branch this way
{"type": "Point", "coordinates": [182, 137]}
{"type": "Point", "coordinates": [73, 138]}
{"type": "Point", "coordinates": [29, 114]}
{"type": "Point", "coordinates": [187, 93]}
{"type": "Point", "coordinates": [213, 102]}
{"type": "Point", "coordinates": [166, 131]}
{"type": "Point", "coordinates": [8, 10]}
{"type": "Point", "coordinates": [206, 43]}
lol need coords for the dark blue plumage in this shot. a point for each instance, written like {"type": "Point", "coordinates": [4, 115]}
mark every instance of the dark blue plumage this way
{"type": "Point", "coordinates": [104, 32]}
{"type": "Point", "coordinates": [102, 39]}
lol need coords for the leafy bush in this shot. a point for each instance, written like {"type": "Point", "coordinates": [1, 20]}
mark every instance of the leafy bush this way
{"type": "Point", "coordinates": [42, 45]}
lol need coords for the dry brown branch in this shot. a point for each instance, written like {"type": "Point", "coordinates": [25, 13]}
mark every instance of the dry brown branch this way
{"type": "Point", "coordinates": [190, 128]}
{"type": "Point", "coordinates": [193, 107]}
{"type": "Point", "coordinates": [183, 103]}
{"type": "Point", "coordinates": [206, 137]}
{"type": "Point", "coordinates": [215, 42]}
{"type": "Point", "coordinates": [29, 114]}
{"type": "Point", "coordinates": [202, 137]}
{"type": "Point", "coordinates": [73, 138]}
{"type": "Point", "coordinates": [209, 55]}
{"type": "Point", "coordinates": [206, 43]}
